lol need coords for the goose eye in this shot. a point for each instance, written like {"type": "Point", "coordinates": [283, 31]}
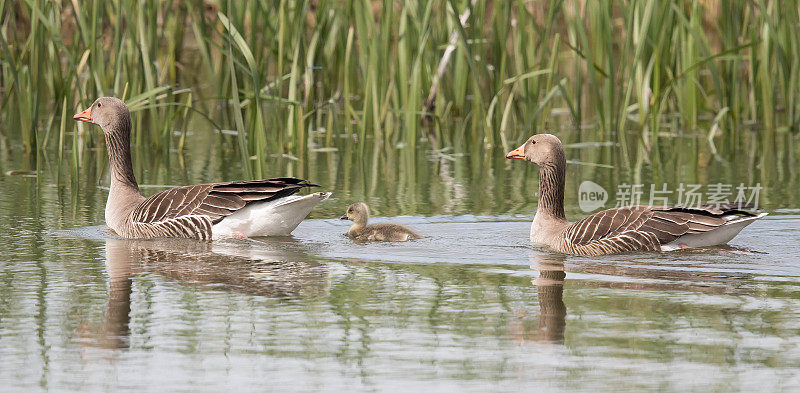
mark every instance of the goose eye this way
{"type": "Point", "coordinates": [99, 104]}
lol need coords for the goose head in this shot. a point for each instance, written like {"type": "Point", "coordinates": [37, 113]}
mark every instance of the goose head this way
{"type": "Point", "coordinates": [540, 149]}
{"type": "Point", "coordinates": [357, 212]}
{"type": "Point", "coordinates": [110, 113]}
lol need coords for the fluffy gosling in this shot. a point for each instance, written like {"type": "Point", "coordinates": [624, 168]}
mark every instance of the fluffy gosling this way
{"type": "Point", "coordinates": [361, 232]}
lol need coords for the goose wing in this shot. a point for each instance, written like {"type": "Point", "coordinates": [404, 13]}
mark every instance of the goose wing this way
{"type": "Point", "coordinates": [214, 200]}
{"type": "Point", "coordinates": [644, 228]}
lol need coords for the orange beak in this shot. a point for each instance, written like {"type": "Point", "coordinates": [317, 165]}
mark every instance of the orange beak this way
{"type": "Point", "coordinates": [518, 153]}
{"type": "Point", "coordinates": [84, 116]}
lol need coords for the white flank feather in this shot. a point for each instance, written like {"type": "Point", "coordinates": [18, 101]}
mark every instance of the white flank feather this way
{"type": "Point", "coordinates": [272, 218]}
{"type": "Point", "coordinates": [716, 237]}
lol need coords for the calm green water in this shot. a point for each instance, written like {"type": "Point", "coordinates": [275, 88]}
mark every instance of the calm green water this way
{"type": "Point", "coordinates": [473, 307]}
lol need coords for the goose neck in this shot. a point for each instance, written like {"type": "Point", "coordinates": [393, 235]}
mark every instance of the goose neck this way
{"type": "Point", "coordinates": [551, 189]}
{"type": "Point", "coordinates": [119, 156]}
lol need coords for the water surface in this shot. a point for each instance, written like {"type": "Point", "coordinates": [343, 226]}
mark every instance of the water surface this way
{"type": "Point", "coordinates": [472, 307]}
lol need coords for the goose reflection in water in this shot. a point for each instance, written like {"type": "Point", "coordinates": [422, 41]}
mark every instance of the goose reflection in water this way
{"type": "Point", "coordinates": [552, 311]}
{"type": "Point", "coordinates": [274, 268]}
{"type": "Point", "coordinates": [550, 290]}
{"type": "Point", "coordinates": [641, 273]}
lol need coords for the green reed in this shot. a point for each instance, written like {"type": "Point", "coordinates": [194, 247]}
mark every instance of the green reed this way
{"type": "Point", "coordinates": [50, 62]}
{"type": "Point", "coordinates": [289, 75]}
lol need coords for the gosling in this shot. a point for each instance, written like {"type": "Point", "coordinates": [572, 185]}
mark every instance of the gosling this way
{"type": "Point", "coordinates": [361, 232]}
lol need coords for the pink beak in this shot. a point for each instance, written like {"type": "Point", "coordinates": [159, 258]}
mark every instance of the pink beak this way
{"type": "Point", "coordinates": [518, 153]}
{"type": "Point", "coordinates": [84, 116]}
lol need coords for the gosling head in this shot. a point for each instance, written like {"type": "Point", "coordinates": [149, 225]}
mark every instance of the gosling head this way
{"type": "Point", "coordinates": [110, 113]}
{"type": "Point", "coordinates": [540, 149]}
{"type": "Point", "coordinates": [357, 213]}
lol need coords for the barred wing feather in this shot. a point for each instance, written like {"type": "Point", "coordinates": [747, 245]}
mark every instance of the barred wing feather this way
{"type": "Point", "coordinates": [643, 228]}
{"type": "Point", "coordinates": [215, 200]}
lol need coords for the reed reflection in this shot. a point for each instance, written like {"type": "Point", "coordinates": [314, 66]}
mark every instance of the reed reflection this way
{"type": "Point", "coordinates": [278, 268]}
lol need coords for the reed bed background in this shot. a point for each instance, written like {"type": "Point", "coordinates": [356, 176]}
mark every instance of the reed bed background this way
{"type": "Point", "coordinates": [283, 77]}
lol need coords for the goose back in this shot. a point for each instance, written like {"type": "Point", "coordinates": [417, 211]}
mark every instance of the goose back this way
{"type": "Point", "coordinates": [386, 232]}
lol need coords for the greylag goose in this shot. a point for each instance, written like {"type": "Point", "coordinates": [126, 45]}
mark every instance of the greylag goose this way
{"type": "Point", "coordinates": [624, 229]}
{"type": "Point", "coordinates": [205, 211]}
{"type": "Point", "coordinates": [361, 232]}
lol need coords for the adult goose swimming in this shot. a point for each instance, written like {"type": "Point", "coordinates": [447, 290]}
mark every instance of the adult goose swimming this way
{"type": "Point", "coordinates": [624, 229]}
{"type": "Point", "coordinates": [205, 211]}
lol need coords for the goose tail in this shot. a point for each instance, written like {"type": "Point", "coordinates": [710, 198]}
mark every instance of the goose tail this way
{"type": "Point", "coordinates": [271, 218]}
{"type": "Point", "coordinates": [716, 237]}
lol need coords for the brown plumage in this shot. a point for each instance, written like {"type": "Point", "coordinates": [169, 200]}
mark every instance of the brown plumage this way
{"type": "Point", "coordinates": [361, 232]}
{"type": "Point", "coordinates": [634, 228]}
{"type": "Point", "coordinates": [188, 211]}
{"type": "Point", "coordinates": [191, 211]}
